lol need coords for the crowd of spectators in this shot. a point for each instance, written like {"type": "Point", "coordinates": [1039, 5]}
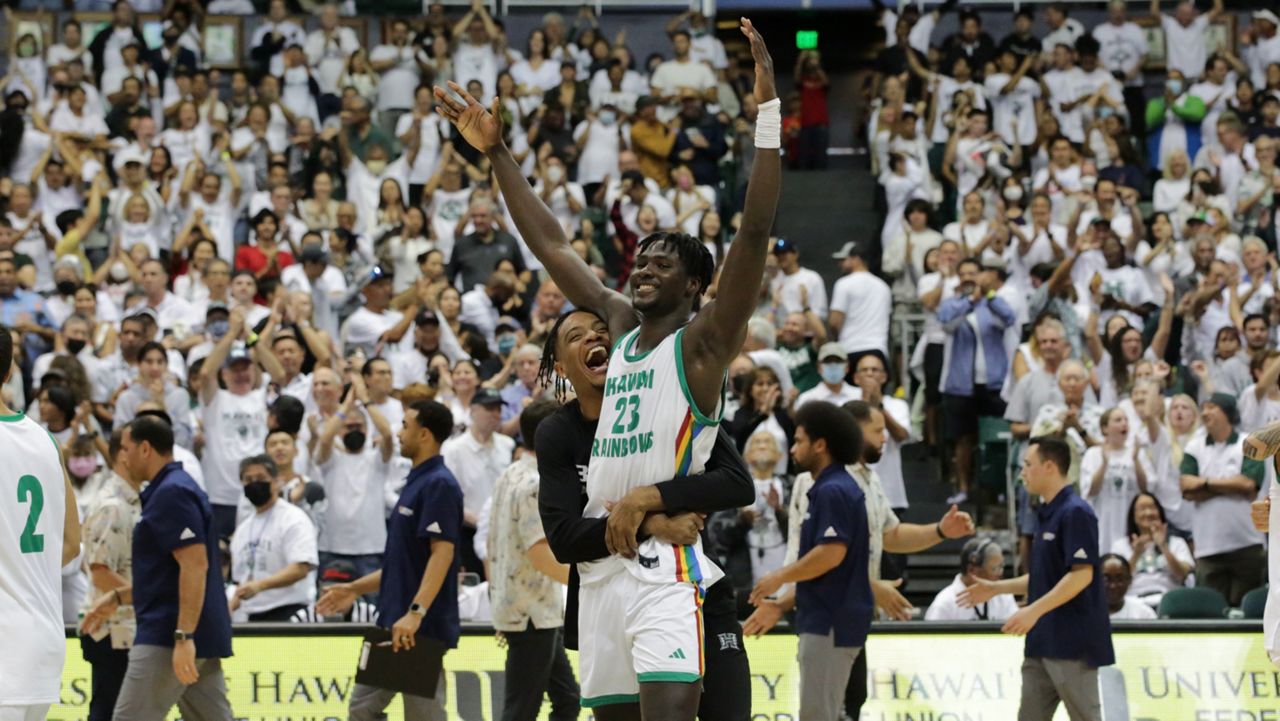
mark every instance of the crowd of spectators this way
{"type": "Point", "coordinates": [1092, 246]}
{"type": "Point", "coordinates": [279, 259]}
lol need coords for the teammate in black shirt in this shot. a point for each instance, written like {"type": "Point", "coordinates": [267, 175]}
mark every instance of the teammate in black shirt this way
{"type": "Point", "coordinates": [564, 450]}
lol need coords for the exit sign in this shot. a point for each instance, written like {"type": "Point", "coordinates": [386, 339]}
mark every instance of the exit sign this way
{"type": "Point", "coordinates": [806, 40]}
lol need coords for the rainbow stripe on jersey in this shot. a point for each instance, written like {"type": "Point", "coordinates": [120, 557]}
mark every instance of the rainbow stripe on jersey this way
{"type": "Point", "coordinates": [689, 431]}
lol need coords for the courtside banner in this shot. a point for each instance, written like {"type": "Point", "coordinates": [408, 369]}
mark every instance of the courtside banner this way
{"type": "Point", "coordinates": [1164, 672]}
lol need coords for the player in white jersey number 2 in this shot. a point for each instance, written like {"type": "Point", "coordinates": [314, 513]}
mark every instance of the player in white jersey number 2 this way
{"type": "Point", "coordinates": [39, 534]}
{"type": "Point", "coordinates": [640, 630]}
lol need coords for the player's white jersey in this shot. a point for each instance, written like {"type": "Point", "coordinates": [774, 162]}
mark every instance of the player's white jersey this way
{"type": "Point", "coordinates": [649, 432]}
{"type": "Point", "coordinates": [32, 506]}
{"type": "Point", "coordinates": [1271, 614]}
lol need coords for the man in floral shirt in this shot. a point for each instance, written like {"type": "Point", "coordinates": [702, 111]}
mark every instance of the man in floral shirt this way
{"type": "Point", "coordinates": [525, 588]}
{"type": "Point", "coordinates": [108, 554]}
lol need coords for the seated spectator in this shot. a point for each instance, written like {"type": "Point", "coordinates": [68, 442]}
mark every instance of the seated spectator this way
{"type": "Point", "coordinates": [1160, 561]}
{"type": "Point", "coordinates": [1122, 606]}
{"type": "Point", "coordinates": [980, 558]}
{"type": "Point", "coordinates": [273, 552]}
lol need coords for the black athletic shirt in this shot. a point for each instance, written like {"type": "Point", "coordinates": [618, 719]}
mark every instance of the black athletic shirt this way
{"type": "Point", "coordinates": [564, 450]}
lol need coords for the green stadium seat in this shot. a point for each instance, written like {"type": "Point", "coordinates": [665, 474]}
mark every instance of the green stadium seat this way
{"type": "Point", "coordinates": [992, 454]}
{"type": "Point", "coordinates": [1186, 603]}
{"type": "Point", "coordinates": [1254, 601]}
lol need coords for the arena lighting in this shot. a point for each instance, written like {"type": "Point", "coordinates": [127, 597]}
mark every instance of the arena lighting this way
{"type": "Point", "coordinates": [806, 40]}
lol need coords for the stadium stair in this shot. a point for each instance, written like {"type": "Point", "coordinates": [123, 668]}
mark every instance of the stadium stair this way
{"type": "Point", "coordinates": [814, 202]}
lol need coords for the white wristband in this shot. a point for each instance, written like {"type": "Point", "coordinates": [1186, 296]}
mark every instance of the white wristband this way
{"type": "Point", "coordinates": [769, 125]}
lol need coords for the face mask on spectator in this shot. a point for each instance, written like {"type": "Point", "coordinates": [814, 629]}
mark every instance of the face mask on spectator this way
{"type": "Point", "coordinates": [832, 373]}
{"type": "Point", "coordinates": [67, 287]}
{"type": "Point", "coordinates": [555, 174]}
{"type": "Point", "coordinates": [1174, 85]}
{"type": "Point", "coordinates": [608, 117]}
{"type": "Point", "coordinates": [506, 343]}
{"type": "Point", "coordinates": [376, 166]}
{"type": "Point", "coordinates": [258, 492]}
{"type": "Point", "coordinates": [218, 328]}
{"type": "Point", "coordinates": [1088, 182]}
{"type": "Point", "coordinates": [119, 273]}
{"type": "Point", "coordinates": [1012, 193]}
{"type": "Point", "coordinates": [353, 440]}
{"type": "Point", "coordinates": [74, 346]}
{"type": "Point", "coordinates": [82, 466]}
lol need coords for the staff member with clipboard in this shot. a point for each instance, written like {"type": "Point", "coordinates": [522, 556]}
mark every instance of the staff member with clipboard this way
{"type": "Point", "coordinates": [418, 584]}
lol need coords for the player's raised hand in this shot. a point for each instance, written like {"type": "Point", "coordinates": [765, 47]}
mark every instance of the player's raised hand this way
{"type": "Point", "coordinates": [765, 89]}
{"type": "Point", "coordinates": [481, 127]}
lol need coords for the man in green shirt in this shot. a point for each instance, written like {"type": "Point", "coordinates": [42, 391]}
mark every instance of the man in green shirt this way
{"type": "Point", "coordinates": [798, 342]}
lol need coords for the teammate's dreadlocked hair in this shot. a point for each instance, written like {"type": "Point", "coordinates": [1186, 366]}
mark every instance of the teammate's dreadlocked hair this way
{"type": "Point", "coordinates": [698, 261]}
{"type": "Point", "coordinates": [547, 375]}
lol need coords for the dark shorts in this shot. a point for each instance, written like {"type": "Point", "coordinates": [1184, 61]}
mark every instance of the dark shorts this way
{"type": "Point", "coordinates": [933, 355]}
{"type": "Point", "coordinates": [962, 412]}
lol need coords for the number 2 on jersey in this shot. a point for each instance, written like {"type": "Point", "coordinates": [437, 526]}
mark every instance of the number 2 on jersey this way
{"type": "Point", "coordinates": [30, 490]}
{"type": "Point", "coordinates": [632, 400]}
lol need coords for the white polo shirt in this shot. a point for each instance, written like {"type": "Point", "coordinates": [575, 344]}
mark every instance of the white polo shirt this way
{"type": "Point", "coordinates": [266, 543]}
{"type": "Point", "coordinates": [477, 465]}
{"type": "Point", "coordinates": [822, 392]}
{"type": "Point", "coordinates": [1221, 524]}
{"type": "Point", "coordinates": [946, 608]}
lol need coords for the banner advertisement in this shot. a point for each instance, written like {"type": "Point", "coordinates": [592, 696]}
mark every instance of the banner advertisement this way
{"type": "Point", "coordinates": [1183, 676]}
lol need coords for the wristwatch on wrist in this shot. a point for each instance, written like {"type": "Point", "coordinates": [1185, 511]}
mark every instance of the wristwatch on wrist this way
{"type": "Point", "coordinates": [418, 609]}
{"type": "Point", "coordinates": [180, 635]}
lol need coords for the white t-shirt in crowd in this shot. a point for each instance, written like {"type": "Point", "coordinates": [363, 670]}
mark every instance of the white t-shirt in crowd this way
{"type": "Point", "coordinates": [356, 524]}
{"type": "Point", "coordinates": [234, 428]}
{"type": "Point", "coordinates": [1013, 114]}
{"type": "Point", "coordinates": [476, 62]}
{"type": "Point", "coordinates": [866, 302]}
{"type": "Point", "coordinates": [1134, 610]}
{"type": "Point", "coordinates": [822, 392]}
{"type": "Point", "coordinates": [1124, 47]}
{"type": "Point", "coordinates": [395, 90]}
{"type": "Point", "coordinates": [268, 542]}
{"type": "Point", "coordinates": [786, 289]}
{"type": "Point", "coordinates": [1185, 47]}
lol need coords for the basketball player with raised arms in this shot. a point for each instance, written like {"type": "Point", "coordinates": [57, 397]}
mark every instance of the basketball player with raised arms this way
{"type": "Point", "coordinates": [640, 623]}
{"type": "Point", "coordinates": [39, 534]}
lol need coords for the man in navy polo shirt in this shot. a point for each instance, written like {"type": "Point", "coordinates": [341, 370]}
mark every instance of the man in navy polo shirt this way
{"type": "Point", "coordinates": [833, 588]}
{"type": "Point", "coordinates": [184, 626]}
{"type": "Point", "coordinates": [418, 584]}
{"type": "Point", "coordinates": [1066, 622]}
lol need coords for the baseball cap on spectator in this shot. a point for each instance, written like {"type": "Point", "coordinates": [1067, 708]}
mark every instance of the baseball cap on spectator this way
{"type": "Point", "coordinates": [217, 306]}
{"type": "Point", "coordinates": [313, 253]}
{"type": "Point", "coordinates": [850, 249]}
{"type": "Point", "coordinates": [237, 354]}
{"type": "Point", "coordinates": [338, 571]}
{"type": "Point", "coordinates": [785, 246]}
{"type": "Point", "coordinates": [1266, 15]}
{"type": "Point", "coordinates": [68, 261]}
{"type": "Point", "coordinates": [486, 397]}
{"type": "Point", "coordinates": [1200, 217]}
{"type": "Point", "coordinates": [380, 273]}
{"type": "Point", "coordinates": [506, 322]}
{"type": "Point", "coordinates": [129, 154]}
{"type": "Point", "coordinates": [1227, 403]}
{"type": "Point", "coordinates": [144, 314]}
{"type": "Point", "coordinates": [57, 373]}
{"type": "Point", "coordinates": [832, 351]}
{"type": "Point", "coordinates": [198, 354]}
{"type": "Point", "coordinates": [426, 317]}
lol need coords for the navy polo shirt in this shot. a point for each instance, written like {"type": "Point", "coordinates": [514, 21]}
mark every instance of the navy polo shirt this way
{"type": "Point", "coordinates": [429, 507]}
{"type": "Point", "coordinates": [176, 514]}
{"type": "Point", "coordinates": [1080, 629]}
{"type": "Point", "coordinates": [839, 599]}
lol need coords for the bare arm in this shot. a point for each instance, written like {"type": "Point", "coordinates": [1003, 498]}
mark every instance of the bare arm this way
{"type": "Point", "coordinates": [544, 561]}
{"type": "Point", "coordinates": [70, 524]}
{"type": "Point", "coordinates": [538, 226]}
{"type": "Point", "coordinates": [716, 333]}
{"type": "Point", "coordinates": [193, 567]}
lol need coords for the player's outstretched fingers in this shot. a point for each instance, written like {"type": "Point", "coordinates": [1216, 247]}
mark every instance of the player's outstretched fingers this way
{"type": "Point", "coordinates": [462, 93]}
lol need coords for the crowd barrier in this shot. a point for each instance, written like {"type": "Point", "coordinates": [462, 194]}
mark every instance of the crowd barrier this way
{"type": "Point", "coordinates": [1165, 671]}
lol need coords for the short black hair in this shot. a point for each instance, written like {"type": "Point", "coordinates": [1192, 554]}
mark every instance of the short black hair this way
{"type": "Point", "coordinates": [150, 346]}
{"type": "Point", "coordinates": [860, 410]}
{"type": "Point", "coordinates": [917, 205]}
{"type": "Point", "coordinates": [152, 431]}
{"type": "Point", "coordinates": [1052, 449]}
{"type": "Point", "coordinates": [288, 412]}
{"type": "Point", "coordinates": [263, 460]}
{"type": "Point", "coordinates": [157, 413]}
{"type": "Point", "coordinates": [1256, 316]}
{"type": "Point", "coordinates": [435, 417]}
{"type": "Point", "coordinates": [698, 262]}
{"type": "Point", "coordinates": [1116, 557]}
{"type": "Point", "coordinates": [824, 421]}
{"type": "Point", "coordinates": [6, 350]}
{"type": "Point", "coordinates": [1087, 45]}
{"type": "Point", "coordinates": [532, 416]}
{"type": "Point", "coordinates": [367, 369]}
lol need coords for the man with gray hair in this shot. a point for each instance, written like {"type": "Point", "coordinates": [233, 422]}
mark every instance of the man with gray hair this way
{"type": "Point", "coordinates": [980, 558]}
{"type": "Point", "coordinates": [523, 390]}
{"type": "Point", "coordinates": [477, 254]}
{"type": "Point", "coordinates": [273, 551]}
{"type": "Point", "coordinates": [1076, 419]}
